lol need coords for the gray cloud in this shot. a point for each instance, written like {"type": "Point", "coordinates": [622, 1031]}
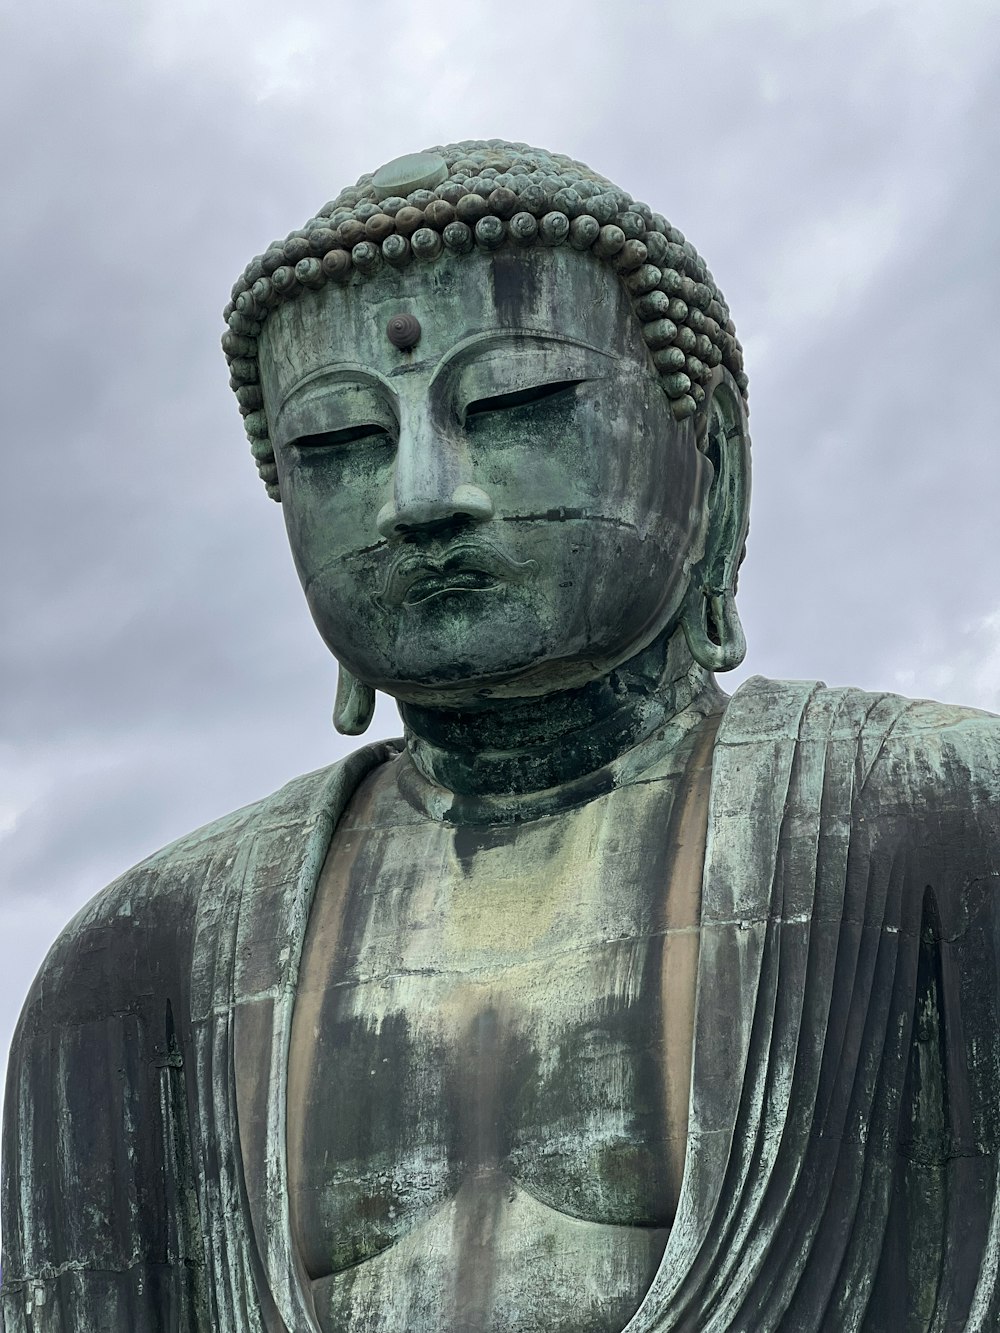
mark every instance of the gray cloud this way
{"type": "Point", "coordinates": [836, 165]}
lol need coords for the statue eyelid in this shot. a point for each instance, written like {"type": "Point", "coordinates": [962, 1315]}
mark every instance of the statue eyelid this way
{"type": "Point", "coordinates": [493, 385]}
{"type": "Point", "coordinates": [337, 414]}
{"type": "Point", "coordinates": [523, 397]}
{"type": "Point", "coordinates": [332, 439]}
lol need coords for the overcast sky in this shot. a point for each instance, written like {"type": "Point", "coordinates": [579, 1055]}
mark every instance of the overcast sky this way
{"type": "Point", "coordinates": [836, 164]}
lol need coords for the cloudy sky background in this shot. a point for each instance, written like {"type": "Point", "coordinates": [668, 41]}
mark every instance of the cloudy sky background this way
{"type": "Point", "coordinates": [836, 163]}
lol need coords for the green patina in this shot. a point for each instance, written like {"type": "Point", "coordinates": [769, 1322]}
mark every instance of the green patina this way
{"type": "Point", "coordinates": [601, 1001]}
{"type": "Point", "coordinates": [495, 197]}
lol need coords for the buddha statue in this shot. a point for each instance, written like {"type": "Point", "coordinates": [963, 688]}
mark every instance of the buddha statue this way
{"type": "Point", "coordinates": [601, 1002]}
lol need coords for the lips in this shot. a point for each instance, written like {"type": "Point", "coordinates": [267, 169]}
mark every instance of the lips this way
{"type": "Point", "coordinates": [467, 567]}
{"type": "Point", "coordinates": [448, 581]}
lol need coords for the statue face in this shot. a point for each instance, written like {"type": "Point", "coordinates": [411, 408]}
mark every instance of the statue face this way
{"type": "Point", "coordinates": [508, 507]}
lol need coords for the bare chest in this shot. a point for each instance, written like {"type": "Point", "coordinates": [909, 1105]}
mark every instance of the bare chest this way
{"type": "Point", "coordinates": [493, 1030]}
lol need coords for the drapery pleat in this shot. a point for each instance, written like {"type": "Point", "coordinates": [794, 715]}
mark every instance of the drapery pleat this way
{"type": "Point", "coordinates": [812, 919]}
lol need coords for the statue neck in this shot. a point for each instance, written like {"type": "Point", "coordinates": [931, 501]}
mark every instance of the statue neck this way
{"type": "Point", "coordinates": [519, 747]}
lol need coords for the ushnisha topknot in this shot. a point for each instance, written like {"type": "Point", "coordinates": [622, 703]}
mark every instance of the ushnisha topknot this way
{"type": "Point", "coordinates": [482, 194]}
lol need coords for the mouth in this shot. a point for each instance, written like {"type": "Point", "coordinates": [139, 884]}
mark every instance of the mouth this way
{"type": "Point", "coordinates": [442, 584]}
{"type": "Point", "coordinates": [465, 568]}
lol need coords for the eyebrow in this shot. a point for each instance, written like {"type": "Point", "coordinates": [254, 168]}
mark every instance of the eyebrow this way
{"type": "Point", "coordinates": [347, 372]}
{"type": "Point", "coordinates": [465, 350]}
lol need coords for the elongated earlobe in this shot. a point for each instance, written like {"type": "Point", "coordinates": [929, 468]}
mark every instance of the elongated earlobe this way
{"type": "Point", "coordinates": [709, 617]}
{"type": "Point", "coordinates": [712, 628]}
{"type": "Point", "coordinates": [354, 706]}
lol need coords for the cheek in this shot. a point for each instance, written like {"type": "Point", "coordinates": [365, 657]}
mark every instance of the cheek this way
{"type": "Point", "coordinates": [616, 582]}
{"type": "Point", "coordinates": [643, 469]}
{"type": "Point", "coordinates": [616, 452]}
{"type": "Point", "coordinates": [330, 508]}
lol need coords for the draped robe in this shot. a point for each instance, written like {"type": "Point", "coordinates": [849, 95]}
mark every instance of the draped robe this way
{"type": "Point", "coordinates": [844, 1118]}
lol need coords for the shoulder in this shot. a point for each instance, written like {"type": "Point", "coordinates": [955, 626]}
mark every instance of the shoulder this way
{"type": "Point", "coordinates": [910, 750]}
{"type": "Point", "coordinates": [905, 722]}
{"type": "Point", "coordinates": [136, 936]}
{"type": "Point", "coordinates": [941, 757]}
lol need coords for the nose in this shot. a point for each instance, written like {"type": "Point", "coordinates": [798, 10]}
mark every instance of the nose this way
{"type": "Point", "coordinates": [431, 487]}
{"type": "Point", "coordinates": [466, 504]}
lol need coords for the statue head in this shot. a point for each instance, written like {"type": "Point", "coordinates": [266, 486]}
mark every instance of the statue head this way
{"type": "Point", "coordinates": [503, 406]}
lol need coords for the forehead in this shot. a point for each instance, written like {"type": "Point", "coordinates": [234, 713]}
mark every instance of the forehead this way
{"type": "Point", "coordinates": [455, 297]}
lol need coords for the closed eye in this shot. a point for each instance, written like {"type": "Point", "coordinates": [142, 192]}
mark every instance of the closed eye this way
{"type": "Point", "coordinates": [521, 397]}
{"type": "Point", "coordinates": [332, 439]}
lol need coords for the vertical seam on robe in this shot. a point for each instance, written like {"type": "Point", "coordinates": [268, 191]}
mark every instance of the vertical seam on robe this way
{"type": "Point", "coordinates": [671, 1301]}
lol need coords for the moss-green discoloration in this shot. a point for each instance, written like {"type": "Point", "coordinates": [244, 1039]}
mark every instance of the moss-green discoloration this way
{"type": "Point", "coordinates": [583, 1015]}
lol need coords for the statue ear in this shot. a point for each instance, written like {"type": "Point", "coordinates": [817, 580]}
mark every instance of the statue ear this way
{"type": "Point", "coordinates": [354, 705]}
{"type": "Point", "coordinates": [709, 618]}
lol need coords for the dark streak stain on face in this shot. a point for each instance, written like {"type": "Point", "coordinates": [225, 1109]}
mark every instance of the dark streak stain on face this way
{"type": "Point", "coordinates": [513, 288]}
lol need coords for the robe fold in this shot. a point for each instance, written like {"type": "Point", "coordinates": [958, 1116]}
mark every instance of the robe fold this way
{"type": "Point", "coordinates": [844, 1127]}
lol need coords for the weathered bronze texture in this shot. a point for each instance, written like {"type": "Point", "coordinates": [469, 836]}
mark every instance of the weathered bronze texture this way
{"type": "Point", "coordinates": [485, 193]}
{"type": "Point", "coordinates": [599, 1003]}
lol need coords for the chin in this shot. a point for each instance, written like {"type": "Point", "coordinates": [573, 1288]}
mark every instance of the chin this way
{"type": "Point", "coordinates": [461, 680]}
{"type": "Point", "coordinates": [465, 641]}
{"type": "Point", "coordinates": [455, 679]}
{"type": "Point", "coordinates": [450, 651]}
